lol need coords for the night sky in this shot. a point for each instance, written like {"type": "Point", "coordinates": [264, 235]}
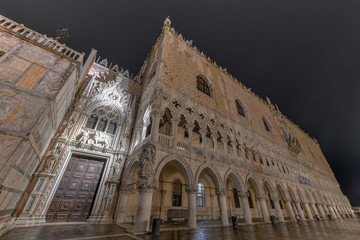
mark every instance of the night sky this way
{"type": "Point", "coordinates": [304, 55]}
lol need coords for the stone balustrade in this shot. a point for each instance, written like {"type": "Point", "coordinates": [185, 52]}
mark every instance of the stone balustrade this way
{"type": "Point", "coordinates": [40, 38]}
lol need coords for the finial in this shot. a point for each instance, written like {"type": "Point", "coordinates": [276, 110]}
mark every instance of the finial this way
{"type": "Point", "coordinates": [167, 22]}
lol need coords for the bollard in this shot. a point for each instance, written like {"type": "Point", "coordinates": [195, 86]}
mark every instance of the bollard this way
{"type": "Point", "coordinates": [273, 220]}
{"type": "Point", "coordinates": [156, 226]}
{"type": "Point", "coordinates": [235, 222]}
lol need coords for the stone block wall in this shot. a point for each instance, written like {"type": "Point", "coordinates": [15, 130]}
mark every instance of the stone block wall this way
{"type": "Point", "coordinates": [37, 86]}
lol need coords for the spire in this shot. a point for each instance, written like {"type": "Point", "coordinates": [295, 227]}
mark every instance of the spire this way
{"type": "Point", "coordinates": [167, 22]}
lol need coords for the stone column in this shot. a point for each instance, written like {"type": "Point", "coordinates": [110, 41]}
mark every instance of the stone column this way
{"type": "Point", "coordinates": [308, 211]}
{"type": "Point", "coordinates": [190, 131]}
{"type": "Point", "coordinates": [203, 136]}
{"type": "Point", "coordinates": [155, 127]}
{"type": "Point", "coordinates": [191, 191]}
{"type": "Point", "coordinates": [175, 123]}
{"type": "Point", "coordinates": [331, 210]}
{"type": "Point", "coordinates": [290, 209]}
{"type": "Point", "coordinates": [120, 215]}
{"type": "Point", "coordinates": [301, 213]}
{"type": "Point", "coordinates": [143, 212]}
{"type": "Point", "coordinates": [314, 208]}
{"type": "Point", "coordinates": [322, 212]}
{"type": "Point", "coordinates": [245, 204]}
{"type": "Point", "coordinates": [162, 201]}
{"type": "Point", "coordinates": [264, 208]}
{"type": "Point", "coordinates": [221, 193]}
{"type": "Point", "coordinates": [278, 208]}
{"type": "Point", "coordinates": [215, 145]}
{"type": "Point", "coordinates": [326, 209]}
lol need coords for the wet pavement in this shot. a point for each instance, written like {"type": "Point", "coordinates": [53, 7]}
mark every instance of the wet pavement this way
{"type": "Point", "coordinates": [338, 229]}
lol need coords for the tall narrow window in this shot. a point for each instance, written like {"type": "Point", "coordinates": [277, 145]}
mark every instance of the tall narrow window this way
{"type": "Point", "coordinates": [201, 195]}
{"type": "Point", "coordinates": [111, 128]}
{"type": "Point", "coordinates": [202, 85]}
{"type": "Point", "coordinates": [236, 198]}
{"type": "Point", "coordinates": [91, 123]}
{"type": "Point", "coordinates": [239, 108]}
{"type": "Point", "coordinates": [101, 125]}
{"type": "Point", "coordinates": [177, 193]}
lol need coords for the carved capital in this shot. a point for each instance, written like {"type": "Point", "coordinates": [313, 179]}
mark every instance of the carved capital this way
{"type": "Point", "coordinates": [275, 198]}
{"type": "Point", "coordinates": [191, 189]}
{"type": "Point", "coordinates": [146, 185]}
{"type": "Point", "coordinates": [260, 197]}
{"type": "Point", "coordinates": [221, 192]}
{"type": "Point", "coordinates": [244, 194]}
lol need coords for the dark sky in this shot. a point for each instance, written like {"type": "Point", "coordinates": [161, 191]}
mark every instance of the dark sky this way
{"type": "Point", "coordinates": [304, 55]}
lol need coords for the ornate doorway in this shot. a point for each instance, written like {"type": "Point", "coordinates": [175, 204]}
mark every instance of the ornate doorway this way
{"type": "Point", "coordinates": [75, 194]}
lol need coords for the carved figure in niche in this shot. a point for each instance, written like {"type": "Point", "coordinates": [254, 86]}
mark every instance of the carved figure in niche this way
{"type": "Point", "coordinates": [67, 127]}
{"type": "Point", "coordinates": [49, 163]}
{"type": "Point", "coordinates": [116, 169]}
{"type": "Point", "coordinates": [146, 163]}
{"type": "Point", "coordinates": [82, 136]}
{"type": "Point", "coordinates": [57, 150]}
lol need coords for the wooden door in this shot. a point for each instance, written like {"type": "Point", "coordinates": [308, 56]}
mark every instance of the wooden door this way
{"type": "Point", "coordinates": [76, 192]}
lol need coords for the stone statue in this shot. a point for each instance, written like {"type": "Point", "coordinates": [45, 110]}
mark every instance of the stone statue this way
{"type": "Point", "coordinates": [116, 169]}
{"type": "Point", "coordinates": [49, 163]}
{"type": "Point", "coordinates": [146, 164]}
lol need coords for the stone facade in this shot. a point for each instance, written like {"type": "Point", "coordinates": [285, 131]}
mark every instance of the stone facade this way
{"type": "Point", "coordinates": [181, 140]}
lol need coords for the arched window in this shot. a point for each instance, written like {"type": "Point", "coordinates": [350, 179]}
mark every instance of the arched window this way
{"type": "Point", "coordinates": [202, 85]}
{"type": "Point", "coordinates": [103, 119]}
{"type": "Point", "coordinates": [201, 195]}
{"type": "Point", "coordinates": [177, 193]}
{"type": "Point", "coordinates": [236, 198]}
{"type": "Point", "coordinates": [266, 125]}
{"type": "Point", "coordinates": [240, 108]}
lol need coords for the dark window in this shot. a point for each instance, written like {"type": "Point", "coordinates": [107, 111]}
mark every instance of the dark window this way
{"type": "Point", "coordinates": [251, 205]}
{"type": "Point", "coordinates": [267, 163]}
{"type": "Point", "coordinates": [186, 134]}
{"type": "Point", "coordinates": [261, 161]}
{"type": "Point", "coordinates": [2, 53]}
{"type": "Point", "coordinates": [101, 126]}
{"type": "Point", "coordinates": [202, 85]}
{"type": "Point", "coordinates": [201, 195]}
{"type": "Point", "coordinates": [111, 128]}
{"type": "Point", "coordinates": [177, 193]}
{"type": "Point", "coordinates": [266, 125]}
{"type": "Point", "coordinates": [91, 123]}
{"type": "Point", "coordinates": [236, 198]}
{"type": "Point", "coordinates": [254, 157]}
{"type": "Point", "coordinates": [239, 108]}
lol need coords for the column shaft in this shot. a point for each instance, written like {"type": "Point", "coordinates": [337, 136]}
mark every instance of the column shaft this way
{"type": "Point", "coordinates": [264, 210]}
{"type": "Point", "coordinates": [308, 211]}
{"type": "Point", "coordinates": [143, 213]}
{"type": "Point", "coordinates": [223, 209]}
{"type": "Point", "coordinates": [246, 209]}
{"type": "Point", "coordinates": [290, 210]}
{"type": "Point", "coordinates": [278, 210]}
{"type": "Point", "coordinates": [192, 209]}
{"type": "Point", "coordinates": [155, 128]}
{"type": "Point", "coordinates": [301, 213]}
